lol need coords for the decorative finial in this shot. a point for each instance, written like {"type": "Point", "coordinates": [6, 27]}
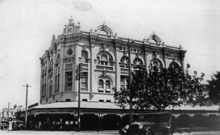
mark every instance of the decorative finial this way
{"type": "Point", "coordinates": [180, 47]}
{"type": "Point", "coordinates": [71, 20]}
{"type": "Point", "coordinates": [78, 23]}
{"type": "Point", "coordinates": [115, 34]}
{"type": "Point", "coordinates": [153, 33]}
{"type": "Point", "coordinates": [104, 23]}
{"type": "Point", "coordinates": [90, 30]}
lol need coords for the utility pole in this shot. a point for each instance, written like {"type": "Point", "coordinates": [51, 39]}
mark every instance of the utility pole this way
{"type": "Point", "coordinates": [78, 76]}
{"type": "Point", "coordinates": [26, 102]}
{"type": "Point", "coordinates": [8, 111]}
{"type": "Point", "coordinates": [129, 83]}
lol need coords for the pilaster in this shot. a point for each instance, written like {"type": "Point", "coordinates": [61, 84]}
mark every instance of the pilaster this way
{"type": "Point", "coordinates": [47, 73]}
{"type": "Point", "coordinates": [54, 69]}
{"type": "Point", "coordinates": [91, 68]}
{"type": "Point", "coordinates": [76, 47]}
{"type": "Point", "coordinates": [145, 56]}
{"type": "Point", "coordinates": [117, 70]}
{"type": "Point", "coordinates": [164, 57]}
{"type": "Point", "coordinates": [145, 60]}
{"type": "Point", "coordinates": [41, 73]}
{"type": "Point", "coordinates": [74, 58]}
{"type": "Point", "coordinates": [181, 57]}
{"type": "Point", "coordinates": [62, 67]}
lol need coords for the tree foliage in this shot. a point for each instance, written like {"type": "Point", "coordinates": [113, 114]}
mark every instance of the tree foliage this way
{"type": "Point", "coordinates": [161, 88]}
{"type": "Point", "coordinates": [214, 88]}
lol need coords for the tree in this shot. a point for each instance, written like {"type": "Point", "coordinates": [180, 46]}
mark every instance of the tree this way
{"type": "Point", "coordinates": [161, 88]}
{"type": "Point", "coordinates": [214, 88]}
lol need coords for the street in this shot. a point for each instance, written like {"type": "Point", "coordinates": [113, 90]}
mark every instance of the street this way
{"type": "Point", "coordinates": [5, 132]}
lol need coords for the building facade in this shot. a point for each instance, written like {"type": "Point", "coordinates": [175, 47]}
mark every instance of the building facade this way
{"type": "Point", "coordinates": [104, 58]}
{"type": "Point", "coordinates": [9, 113]}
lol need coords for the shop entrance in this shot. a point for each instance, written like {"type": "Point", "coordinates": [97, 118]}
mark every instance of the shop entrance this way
{"type": "Point", "coordinates": [111, 122]}
{"type": "Point", "coordinates": [89, 122]}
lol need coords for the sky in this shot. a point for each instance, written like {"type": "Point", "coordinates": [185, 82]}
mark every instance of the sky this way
{"type": "Point", "coordinates": [27, 27]}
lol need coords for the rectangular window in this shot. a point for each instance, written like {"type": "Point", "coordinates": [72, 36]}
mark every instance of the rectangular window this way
{"type": "Point", "coordinates": [108, 100]}
{"type": "Point", "coordinates": [56, 84]}
{"type": "Point", "coordinates": [101, 100]}
{"type": "Point", "coordinates": [84, 80]}
{"type": "Point", "coordinates": [69, 78]}
{"type": "Point", "coordinates": [68, 100]}
{"type": "Point", "coordinates": [107, 85]}
{"type": "Point", "coordinates": [50, 88]}
{"type": "Point", "coordinates": [123, 81]}
{"type": "Point", "coordinates": [43, 91]}
{"type": "Point", "coordinates": [84, 100]}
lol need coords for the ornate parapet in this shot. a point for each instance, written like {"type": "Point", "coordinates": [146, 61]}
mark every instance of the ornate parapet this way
{"type": "Point", "coordinates": [71, 28]}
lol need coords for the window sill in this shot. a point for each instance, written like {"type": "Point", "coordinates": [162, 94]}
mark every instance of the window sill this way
{"type": "Point", "coordinates": [108, 90]}
{"type": "Point", "coordinates": [101, 90]}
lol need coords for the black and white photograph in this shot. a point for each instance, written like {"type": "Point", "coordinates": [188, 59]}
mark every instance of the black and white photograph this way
{"type": "Point", "coordinates": [110, 67]}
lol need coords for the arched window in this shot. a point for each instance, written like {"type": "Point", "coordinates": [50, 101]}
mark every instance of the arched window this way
{"type": "Point", "coordinates": [84, 58]}
{"type": "Point", "coordinates": [155, 64]}
{"type": "Point", "coordinates": [104, 85]}
{"type": "Point", "coordinates": [58, 60]}
{"type": "Point", "coordinates": [101, 83]}
{"type": "Point", "coordinates": [107, 84]}
{"type": "Point", "coordinates": [111, 61]}
{"type": "Point", "coordinates": [124, 60]}
{"type": "Point", "coordinates": [51, 66]}
{"type": "Point", "coordinates": [138, 61]}
{"type": "Point", "coordinates": [98, 60]}
{"type": "Point", "coordinates": [50, 88]}
{"type": "Point", "coordinates": [174, 65]}
{"type": "Point", "coordinates": [105, 59]}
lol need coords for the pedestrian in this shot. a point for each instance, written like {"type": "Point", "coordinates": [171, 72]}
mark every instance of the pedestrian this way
{"type": "Point", "coordinates": [10, 126]}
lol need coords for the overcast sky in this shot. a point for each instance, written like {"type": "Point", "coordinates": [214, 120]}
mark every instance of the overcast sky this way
{"type": "Point", "coordinates": [27, 26]}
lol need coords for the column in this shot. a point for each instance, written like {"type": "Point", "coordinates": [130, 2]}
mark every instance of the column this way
{"type": "Point", "coordinates": [145, 57]}
{"type": "Point", "coordinates": [74, 58]}
{"type": "Point", "coordinates": [117, 70]}
{"type": "Point", "coordinates": [48, 64]}
{"type": "Point", "coordinates": [62, 68]}
{"type": "Point", "coordinates": [76, 47]}
{"type": "Point", "coordinates": [91, 68]}
{"type": "Point", "coordinates": [181, 57]}
{"type": "Point", "coordinates": [42, 64]}
{"type": "Point", "coordinates": [164, 58]}
{"type": "Point", "coordinates": [54, 73]}
{"type": "Point", "coordinates": [145, 61]}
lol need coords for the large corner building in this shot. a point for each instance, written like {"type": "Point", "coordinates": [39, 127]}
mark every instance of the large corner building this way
{"type": "Point", "coordinates": [104, 59]}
